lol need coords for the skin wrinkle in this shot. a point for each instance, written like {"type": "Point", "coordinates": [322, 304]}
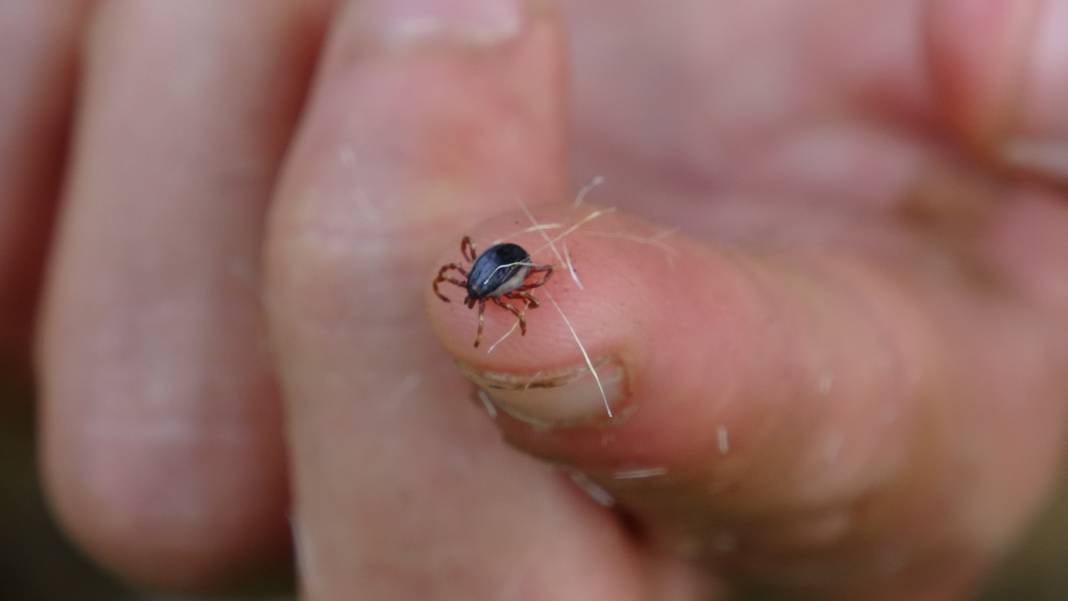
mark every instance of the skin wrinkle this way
{"type": "Point", "coordinates": [865, 311]}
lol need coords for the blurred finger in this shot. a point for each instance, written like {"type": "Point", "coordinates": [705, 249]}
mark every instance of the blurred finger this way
{"type": "Point", "coordinates": [161, 428]}
{"type": "Point", "coordinates": [37, 67]}
{"type": "Point", "coordinates": [426, 116]}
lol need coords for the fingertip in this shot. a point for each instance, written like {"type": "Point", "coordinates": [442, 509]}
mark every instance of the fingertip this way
{"type": "Point", "coordinates": [163, 525]}
{"type": "Point", "coordinates": [596, 330]}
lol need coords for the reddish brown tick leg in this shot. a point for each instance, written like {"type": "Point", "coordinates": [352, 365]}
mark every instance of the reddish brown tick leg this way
{"type": "Point", "coordinates": [518, 314]}
{"type": "Point", "coordinates": [441, 278]}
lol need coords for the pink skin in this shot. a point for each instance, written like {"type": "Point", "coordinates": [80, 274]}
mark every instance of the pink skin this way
{"type": "Point", "coordinates": [852, 199]}
{"type": "Point", "coordinates": [728, 345]}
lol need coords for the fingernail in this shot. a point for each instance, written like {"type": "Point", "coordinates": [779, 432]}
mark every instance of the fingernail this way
{"type": "Point", "coordinates": [472, 22]}
{"type": "Point", "coordinates": [1047, 157]}
{"type": "Point", "coordinates": [555, 398]}
{"type": "Point", "coordinates": [1042, 141]}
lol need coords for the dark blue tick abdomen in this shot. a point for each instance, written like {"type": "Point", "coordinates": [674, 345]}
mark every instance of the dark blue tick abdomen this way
{"type": "Point", "coordinates": [500, 269]}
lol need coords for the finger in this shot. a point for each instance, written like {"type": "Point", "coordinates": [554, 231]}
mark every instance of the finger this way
{"type": "Point", "coordinates": [425, 117]}
{"type": "Point", "coordinates": [802, 420]}
{"type": "Point", "coordinates": [162, 438]}
{"type": "Point", "coordinates": [38, 74]}
{"type": "Point", "coordinates": [1001, 73]}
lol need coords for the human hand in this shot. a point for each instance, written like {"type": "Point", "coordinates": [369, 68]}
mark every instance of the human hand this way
{"type": "Point", "coordinates": [841, 374]}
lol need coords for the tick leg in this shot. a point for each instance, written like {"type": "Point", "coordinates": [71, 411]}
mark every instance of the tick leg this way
{"type": "Point", "coordinates": [524, 296]}
{"type": "Point", "coordinates": [518, 314]}
{"type": "Point", "coordinates": [547, 270]}
{"type": "Point", "coordinates": [442, 278]}
{"type": "Point", "coordinates": [467, 248]}
{"type": "Point", "coordinates": [481, 320]}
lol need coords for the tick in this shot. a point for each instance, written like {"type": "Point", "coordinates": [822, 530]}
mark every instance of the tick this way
{"type": "Point", "coordinates": [503, 271]}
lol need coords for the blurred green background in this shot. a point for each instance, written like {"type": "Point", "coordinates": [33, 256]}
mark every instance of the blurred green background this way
{"type": "Point", "coordinates": [37, 563]}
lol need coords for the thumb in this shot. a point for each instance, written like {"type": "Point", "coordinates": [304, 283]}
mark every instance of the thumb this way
{"type": "Point", "coordinates": [1001, 73]}
{"type": "Point", "coordinates": [789, 418]}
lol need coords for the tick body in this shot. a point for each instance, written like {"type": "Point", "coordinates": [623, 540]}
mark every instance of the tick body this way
{"type": "Point", "coordinates": [503, 272]}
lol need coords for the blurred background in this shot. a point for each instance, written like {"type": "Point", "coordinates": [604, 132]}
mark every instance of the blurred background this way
{"type": "Point", "coordinates": [38, 564]}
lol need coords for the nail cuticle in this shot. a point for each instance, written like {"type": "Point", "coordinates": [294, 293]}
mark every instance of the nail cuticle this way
{"type": "Point", "coordinates": [1048, 157]}
{"type": "Point", "coordinates": [541, 379]}
{"type": "Point", "coordinates": [554, 398]}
